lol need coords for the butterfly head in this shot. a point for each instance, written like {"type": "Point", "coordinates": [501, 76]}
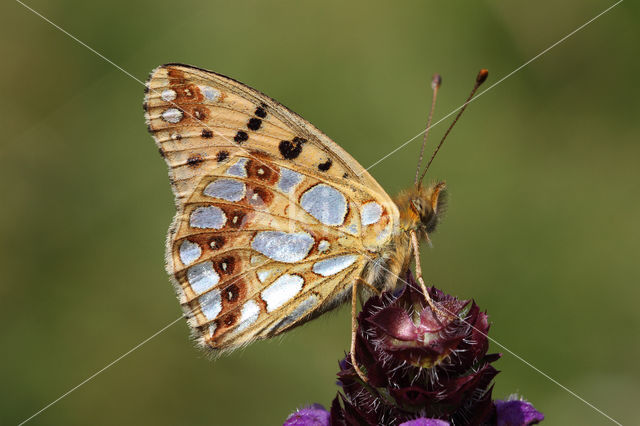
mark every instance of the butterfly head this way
{"type": "Point", "coordinates": [429, 205]}
{"type": "Point", "coordinates": [423, 207]}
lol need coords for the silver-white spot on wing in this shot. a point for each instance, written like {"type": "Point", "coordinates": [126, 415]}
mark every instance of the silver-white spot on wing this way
{"type": "Point", "coordinates": [168, 95]}
{"type": "Point", "coordinates": [207, 217]}
{"type": "Point", "coordinates": [301, 310]}
{"type": "Point", "coordinates": [249, 315]}
{"type": "Point", "coordinates": [323, 246]}
{"type": "Point", "coordinates": [325, 203]}
{"type": "Point", "coordinates": [283, 246]}
{"type": "Point", "coordinates": [226, 189]}
{"type": "Point", "coordinates": [370, 213]}
{"type": "Point", "coordinates": [333, 265]}
{"type": "Point", "coordinates": [352, 228]}
{"type": "Point", "coordinates": [189, 252]}
{"type": "Point", "coordinates": [384, 234]}
{"type": "Point", "coordinates": [264, 274]}
{"type": "Point", "coordinates": [212, 329]}
{"type": "Point", "coordinates": [238, 168]}
{"type": "Point", "coordinates": [288, 180]}
{"type": "Point", "coordinates": [281, 291]}
{"type": "Point", "coordinates": [210, 304]}
{"type": "Point", "coordinates": [210, 93]}
{"type": "Point", "coordinates": [172, 115]}
{"type": "Point", "coordinates": [202, 277]}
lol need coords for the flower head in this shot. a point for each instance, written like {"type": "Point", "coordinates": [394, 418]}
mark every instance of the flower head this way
{"type": "Point", "coordinates": [516, 412]}
{"type": "Point", "coordinates": [419, 363]}
{"type": "Point", "coordinates": [424, 367]}
{"type": "Point", "coordinates": [313, 415]}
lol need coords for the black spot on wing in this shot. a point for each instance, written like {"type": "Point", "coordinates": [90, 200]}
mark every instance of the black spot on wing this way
{"type": "Point", "coordinates": [260, 112]}
{"type": "Point", "coordinates": [195, 160]}
{"type": "Point", "coordinates": [291, 149]}
{"type": "Point", "coordinates": [254, 123]}
{"type": "Point", "coordinates": [222, 155]}
{"type": "Point", "coordinates": [241, 136]}
{"type": "Point", "coordinates": [323, 167]}
{"type": "Point", "coordinates": [207, 134]}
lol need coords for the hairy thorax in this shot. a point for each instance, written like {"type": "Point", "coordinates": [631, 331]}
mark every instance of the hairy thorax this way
{"type": "Point", "coordinates": [420, 211]}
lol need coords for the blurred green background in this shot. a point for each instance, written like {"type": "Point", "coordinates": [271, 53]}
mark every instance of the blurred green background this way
{"type": "Point", "coordinates": [542, 228]}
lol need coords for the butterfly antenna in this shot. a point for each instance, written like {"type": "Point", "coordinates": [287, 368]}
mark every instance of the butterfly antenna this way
{"type": "Point", "coordinates": [481, 77]}
{"type": "Point", "coordinates": [436, 81]}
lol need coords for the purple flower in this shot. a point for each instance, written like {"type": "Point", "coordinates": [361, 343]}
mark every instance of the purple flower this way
{"type": "Point", "coordinates": [313, 415]}
{"type": "Point", "coordinates": [517, 412]}
{"type": "Point", "coordinates": [423, 368]}
{"type": "Point", "coordinates": [419, 364]}
{"type": "Point", "coordinates": [425, 422]}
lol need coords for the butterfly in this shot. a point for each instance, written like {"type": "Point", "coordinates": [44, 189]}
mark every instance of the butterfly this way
{"type": "Point", "coordinates": [276, 223]}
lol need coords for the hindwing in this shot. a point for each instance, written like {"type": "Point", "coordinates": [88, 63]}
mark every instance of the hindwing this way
{"type": "Point", "coordinates": [274, 220]}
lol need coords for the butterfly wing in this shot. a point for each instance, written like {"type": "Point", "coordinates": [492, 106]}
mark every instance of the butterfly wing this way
{"type": "Point", "coordinates": [274, 222]}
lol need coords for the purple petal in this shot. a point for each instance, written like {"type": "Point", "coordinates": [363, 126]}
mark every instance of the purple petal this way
{"type": "Point", "coordinates": [414, 395]}
{"type": "Point", "coordinates": [396, 323]}
{"type": "Point", "coordinates": [429, 322]}
{"type": "Point", "coordinates": [517, 413]}
{"type": "Point", "coordinates": [314, 415]}
{"type": "Point", "coordinates": [425, 422]}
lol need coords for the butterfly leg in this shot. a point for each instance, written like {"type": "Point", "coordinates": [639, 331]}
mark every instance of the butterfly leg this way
{"type": "Point", "coordinates": [354, 330]}
{"type": "Point", "coordinates": [416, 254]}
{"type": "Point", "coordinates": [372, 288]}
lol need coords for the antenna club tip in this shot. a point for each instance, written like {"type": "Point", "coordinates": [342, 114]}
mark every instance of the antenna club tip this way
{"type": "Point", "coordinates": [482, 76]}
{"type": "Point", "coordinates": [436, 81]}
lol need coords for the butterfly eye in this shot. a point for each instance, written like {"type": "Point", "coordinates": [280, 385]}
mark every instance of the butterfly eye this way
{"type": "Point", "coordinates": [416, 205]}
